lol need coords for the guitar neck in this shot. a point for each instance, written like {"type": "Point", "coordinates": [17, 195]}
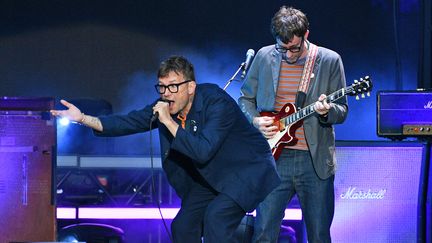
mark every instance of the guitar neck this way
{"type": "Point", "coordinates": [309, 110]}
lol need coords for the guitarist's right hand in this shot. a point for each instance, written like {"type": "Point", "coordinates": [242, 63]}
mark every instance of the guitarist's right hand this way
{"type": "Point", "coordinates": [265, 126]}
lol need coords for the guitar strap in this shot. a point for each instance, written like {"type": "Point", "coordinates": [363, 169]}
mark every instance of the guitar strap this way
{"type": "Point", "coordinates": [307, 74]}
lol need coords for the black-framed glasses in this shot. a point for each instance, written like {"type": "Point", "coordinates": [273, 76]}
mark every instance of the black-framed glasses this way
{"type": "Point", "coordinates": [294, 49]}
{"type": "Point", "coordinates": [173, 88]}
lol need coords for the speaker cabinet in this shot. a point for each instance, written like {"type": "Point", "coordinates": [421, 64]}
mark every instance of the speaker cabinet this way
{"type": "Point", "coordinates": [377, 192]}
{"type": "Point", "coordinates": [27, 152]}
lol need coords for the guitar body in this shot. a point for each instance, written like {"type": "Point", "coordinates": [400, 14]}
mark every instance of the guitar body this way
{"type": "Point", "coordinates": [286, 132]}
{"type": "Point", "coordinates": [288, 119]}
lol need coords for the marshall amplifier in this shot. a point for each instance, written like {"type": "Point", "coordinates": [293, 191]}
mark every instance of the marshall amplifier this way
{"type": "Point", "coordinates": [376, 191]}
{"type": "Point", "coordinates": [402, 114]}
{"type": "Point", "coordinates": [27, 166]}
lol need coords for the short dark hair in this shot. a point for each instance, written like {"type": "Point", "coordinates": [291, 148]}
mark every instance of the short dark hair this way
{"type": "Point", "coordinates": [179, 65]}
{"type": "Point", "coordinates": [287, 23]}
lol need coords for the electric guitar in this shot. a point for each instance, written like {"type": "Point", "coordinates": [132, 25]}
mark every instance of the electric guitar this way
{"type": "Point", "coordinates": [289, 119]}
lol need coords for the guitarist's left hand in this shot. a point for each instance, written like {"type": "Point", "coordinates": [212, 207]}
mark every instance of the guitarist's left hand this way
{"type": "Point", "coordinates": [321, 106]}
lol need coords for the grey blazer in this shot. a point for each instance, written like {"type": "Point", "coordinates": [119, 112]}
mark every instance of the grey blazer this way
{"type": "Point", "coordinates": [259, 91]}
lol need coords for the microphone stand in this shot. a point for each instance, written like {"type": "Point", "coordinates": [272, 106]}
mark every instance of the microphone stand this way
{"type": "Point", "coordinates": [235, 74]}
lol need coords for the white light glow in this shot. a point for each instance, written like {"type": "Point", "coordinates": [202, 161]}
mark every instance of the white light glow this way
{"type": "Point", "coordinates": [64, 121]}
{"type": "Point", "coordinates": [66, 213]}
{"type": "Point", "coordinates": [145, 213]}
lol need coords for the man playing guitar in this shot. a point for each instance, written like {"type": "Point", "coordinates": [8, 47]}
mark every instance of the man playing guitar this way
{"type": "Point", "coordinates": [295, 71]}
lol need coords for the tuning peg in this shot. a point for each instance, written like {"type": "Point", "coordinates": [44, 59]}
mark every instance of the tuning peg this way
{"type": "Point", "coordinates": [356, 81]}
{"type": "Point", "coordinates": [368, 93]}
{"type": "Point", "coordinates": [357, 97]}
{"type": "Point", "coordinates": [363, 95]}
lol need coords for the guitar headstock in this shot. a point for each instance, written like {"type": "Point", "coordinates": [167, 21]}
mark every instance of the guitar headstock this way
{"type": "Point", "coordinates": [360, 87]}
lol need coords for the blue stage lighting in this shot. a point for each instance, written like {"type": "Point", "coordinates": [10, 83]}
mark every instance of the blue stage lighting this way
{"type": "Point", "coordinates": [70, 238]}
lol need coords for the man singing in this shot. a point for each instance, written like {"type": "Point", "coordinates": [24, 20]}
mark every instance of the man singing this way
{"type": "Point", "coordinates": [218, 163]}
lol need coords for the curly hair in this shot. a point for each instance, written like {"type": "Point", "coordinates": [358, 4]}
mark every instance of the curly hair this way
{"type": "Point", "coordinates": [287, 23]}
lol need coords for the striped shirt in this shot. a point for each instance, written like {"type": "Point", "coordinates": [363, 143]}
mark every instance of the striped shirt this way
{"type": "Point", "coordinates": [289, 80]}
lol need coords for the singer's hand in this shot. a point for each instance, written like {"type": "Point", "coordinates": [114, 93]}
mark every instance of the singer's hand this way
{"type": "Point", "coordinates": [265, 125]}
{"type": "Point", "coordinates": [162, 108]}
{"type": "Point", "coordinates": [72, 113]}
{"type": "Point", "coordinates": [164, 116]}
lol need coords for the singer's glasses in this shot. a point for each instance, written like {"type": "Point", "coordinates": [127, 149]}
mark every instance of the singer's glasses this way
{"type": "Point", "coordinates": [173, 88]}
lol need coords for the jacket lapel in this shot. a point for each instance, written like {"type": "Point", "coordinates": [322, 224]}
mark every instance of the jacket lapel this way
{"type": "Point", "coordinates": [275, 68]}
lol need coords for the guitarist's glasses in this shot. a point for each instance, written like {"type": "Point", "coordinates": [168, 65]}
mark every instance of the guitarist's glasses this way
{"type": "Point", "coordinates": [173, 88]}
{"type": "Point", "coordinates": [293, 49]}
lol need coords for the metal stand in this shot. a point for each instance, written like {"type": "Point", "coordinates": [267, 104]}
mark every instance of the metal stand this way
{"type": "Point", "coordinates": [235, 74]}
{"type": "Point", "coordinates": [135, 187]}
{"type": "Point", "coordinates": [92, 177]}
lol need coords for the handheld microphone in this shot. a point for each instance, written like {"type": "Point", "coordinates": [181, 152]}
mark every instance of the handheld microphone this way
{"type": "Point", "coordinates": [154, 117]}
{"type": "Point", "coordinates": [249, 56]}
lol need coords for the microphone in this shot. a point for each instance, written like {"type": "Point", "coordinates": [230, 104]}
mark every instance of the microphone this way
{"type": "Point", "coordinates": [154, 117]}
{"type": "Point", "coordinates": [249, 56]}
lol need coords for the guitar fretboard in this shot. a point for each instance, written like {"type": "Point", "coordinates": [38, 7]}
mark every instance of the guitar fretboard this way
{"type": "Point", "coordinates": [309, 110]}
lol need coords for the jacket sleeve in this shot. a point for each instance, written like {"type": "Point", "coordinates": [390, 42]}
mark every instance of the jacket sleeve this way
{"type": "Point", "coordinates": [339, 109]}
{"type": "Point", "coordinates": [134, 122]}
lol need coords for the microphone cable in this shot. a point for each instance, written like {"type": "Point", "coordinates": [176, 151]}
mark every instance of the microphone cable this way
{"type": "Point", "coordinates": [153, 187]}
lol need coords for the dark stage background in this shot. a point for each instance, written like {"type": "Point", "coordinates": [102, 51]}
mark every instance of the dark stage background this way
{"type": "Point", "coordinates": [104, 55]}
{"type": "Point", "coordinates": [110, 50]}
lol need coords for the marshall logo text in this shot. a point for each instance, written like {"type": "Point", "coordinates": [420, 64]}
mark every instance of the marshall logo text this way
{"type": "Point", "coordinates": [354, 194]}
{"type": "Point", "coordinates": [428, 105]}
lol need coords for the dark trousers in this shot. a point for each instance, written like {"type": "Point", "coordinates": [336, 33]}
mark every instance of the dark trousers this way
{"type": "Point", "coordinates": [204, 212]}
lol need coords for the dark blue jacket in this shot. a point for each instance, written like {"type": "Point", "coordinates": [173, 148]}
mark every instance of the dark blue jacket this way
{"type": "Point", "coordinates": [218, 146]}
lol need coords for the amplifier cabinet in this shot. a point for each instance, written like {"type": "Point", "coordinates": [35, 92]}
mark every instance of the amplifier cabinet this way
{"type": "Point", "coordinates": [27, 149]}
{"type": "Point", "coordinates": [396, 109]}
{"type": "Point", "coordinates": [377, 191]}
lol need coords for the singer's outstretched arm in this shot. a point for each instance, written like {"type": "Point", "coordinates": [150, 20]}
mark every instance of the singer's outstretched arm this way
{"type": "Point", "coordinates": [92, 122]}
{"type": "Point", "coordinates": [74, 114]}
